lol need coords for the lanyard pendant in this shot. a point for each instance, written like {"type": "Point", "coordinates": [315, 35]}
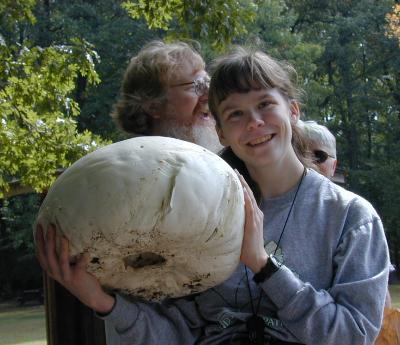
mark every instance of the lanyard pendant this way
{"type": "Point", "coordinates": [255, 327]}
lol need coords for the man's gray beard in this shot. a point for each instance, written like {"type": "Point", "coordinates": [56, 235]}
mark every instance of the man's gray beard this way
{"type": "Point", "coordinates": [205, 136]}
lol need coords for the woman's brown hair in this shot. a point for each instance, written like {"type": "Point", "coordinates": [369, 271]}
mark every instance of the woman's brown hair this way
{"type": "Point", "coordinates": [244, 70]}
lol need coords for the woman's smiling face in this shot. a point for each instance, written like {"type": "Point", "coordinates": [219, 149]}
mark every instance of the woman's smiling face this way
{"type": "Point", "coordinates": [257, 125]}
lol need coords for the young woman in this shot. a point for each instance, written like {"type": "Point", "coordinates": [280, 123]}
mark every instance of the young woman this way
{"type": "Point", "coordinates": [314, 256]}
{"type": "Point", "coordinates": [327, 284]}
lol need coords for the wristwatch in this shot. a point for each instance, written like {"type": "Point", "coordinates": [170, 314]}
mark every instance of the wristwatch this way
{"type": "Point", "coordinates": [272, 266]}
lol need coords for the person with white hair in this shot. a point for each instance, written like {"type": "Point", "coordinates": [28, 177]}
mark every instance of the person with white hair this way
{"type": "Point", "coordinates": [322, 144]}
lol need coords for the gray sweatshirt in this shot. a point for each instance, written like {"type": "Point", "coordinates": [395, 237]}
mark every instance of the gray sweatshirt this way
{"type": "Point", "coordinates": [330, 290]}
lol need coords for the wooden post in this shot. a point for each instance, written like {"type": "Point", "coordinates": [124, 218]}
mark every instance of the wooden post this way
{"type": "Point", "coordinates": [68, 321]}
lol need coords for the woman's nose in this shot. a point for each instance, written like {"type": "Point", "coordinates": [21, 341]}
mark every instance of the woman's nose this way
{"type": "Point", "coordinates": [255, 121]}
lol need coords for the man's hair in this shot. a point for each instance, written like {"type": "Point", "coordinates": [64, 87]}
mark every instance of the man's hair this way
{"type": "Point", "coordinates": [145, 81]}
{"type": "Point", "coordinates": [319, 135]}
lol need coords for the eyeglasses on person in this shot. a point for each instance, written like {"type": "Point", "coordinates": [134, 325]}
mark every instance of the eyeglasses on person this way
{"type": "Point", "coordinates": [321, 156]}
{"type": "Point", "coordinates": [200, 85]}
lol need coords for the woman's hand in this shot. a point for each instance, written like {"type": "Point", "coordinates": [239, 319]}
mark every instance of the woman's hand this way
{"type": "Point", "coordinates": [253, 253]}
{"type": "Point", "coordinates": [73, 277]}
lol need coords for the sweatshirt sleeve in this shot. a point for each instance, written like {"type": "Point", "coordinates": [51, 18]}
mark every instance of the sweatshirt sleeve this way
{"type": "Point", "coordinates": [174, 322]}
{"type": "Point", "coordinates": [351, 309]}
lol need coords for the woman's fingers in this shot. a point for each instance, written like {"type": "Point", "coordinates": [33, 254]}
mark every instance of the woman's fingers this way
{"type": "Point", "coordinates": [83, 261]}
{"type": "Point", "coordinates": [253, 250]}
{"type": "Point", "coordinates": [248, 208]}
{"type": "Point", "coordinates": [73, 276]}
{"type": "Point", "coordinates": [57, 263]}
{"type": "Point", "coordinates": [46, 251]}
{"type": "Point", "coordinates": [248, 203]}
{"type": "Point", "coordinates": [246, 188]}
{"type": "Point", "coordinates": [53, 265]}
{"type": "Point", "coordinates": [251, 204]}
{"type": "Point", "coordinates": [254, 216]}
{"type": "Point", "coordinates": [40, 247]}
{"type": "Point", "coordinates": [64, 264]}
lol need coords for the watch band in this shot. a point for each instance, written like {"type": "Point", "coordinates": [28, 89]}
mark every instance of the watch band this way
{"type": "Point", "coordinates": [272, 266]}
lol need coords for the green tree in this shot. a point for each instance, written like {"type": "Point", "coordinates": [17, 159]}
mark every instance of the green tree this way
{"type": "Point", "coordinates": [353, 64]}
{"type": "Point", "coordinates": [360, 64]}
{"type": "Point", "coordinates": [116, 38]}
{"type": "Point", "coordinates": [37, 128]}
{"type": "Point", "coordinates": [215, 21]}
{"type": "Point", "coordinates": [273, 32]}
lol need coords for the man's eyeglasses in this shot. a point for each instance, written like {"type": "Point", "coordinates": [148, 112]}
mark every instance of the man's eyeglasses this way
{"type": "Point", "coordinates": [200, 85]}
{"type": "Point", "coordinates": [320, 156]}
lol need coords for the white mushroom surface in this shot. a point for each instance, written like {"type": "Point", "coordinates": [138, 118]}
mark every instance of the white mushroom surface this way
{"type": "Point", "coordinates": [160, 217]}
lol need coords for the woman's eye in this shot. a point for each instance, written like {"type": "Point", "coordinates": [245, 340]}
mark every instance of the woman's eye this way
{"type": "Point", "coordinates": [235, 114]}
{"type": "Point", "coordinates": [263, 105]}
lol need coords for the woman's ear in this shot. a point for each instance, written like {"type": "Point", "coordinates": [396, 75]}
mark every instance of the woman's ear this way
{"type": "Point", "coordinates": [294, 111]}
{"type": "Point", "coordinates": [221, 136]}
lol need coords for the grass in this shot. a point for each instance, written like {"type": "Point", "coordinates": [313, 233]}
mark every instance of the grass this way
{"type": "Point", "coordinates": [27, 325]}
{"type": "Point", "coordinates": [23, 326]}
{"type": "Point", "coordinates": [395, 294]}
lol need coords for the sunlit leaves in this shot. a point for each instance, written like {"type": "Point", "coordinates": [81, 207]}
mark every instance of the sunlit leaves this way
{"type": "Point", "coordinates": [217, 22]}
{"type": "Point", "coordinates": [393, 19]}
{"type": "Point", "coordinates": [38, 133]}
{"type": "Point", "coordinates": [16, 10]}
{"type": "Point", "coordinates": [157, 13]}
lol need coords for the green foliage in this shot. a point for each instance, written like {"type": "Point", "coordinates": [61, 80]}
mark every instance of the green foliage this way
{"type": "Point", "coordinates": [38, 133]}
{"type": "Point", "coordinates": [16, 10]}
{"type": "Point", "coordinates": [359, 73]}
{"type": "Point", "coordinates": [17, 216]}
{"type": "Point", "coordinates": [380, 185]}
{"type": "Point", "coordinates": [217, 22]}
{"type": "Point", "coordinates": [158, 13]}
{"type": "Point", "coordinates": [116, 38]}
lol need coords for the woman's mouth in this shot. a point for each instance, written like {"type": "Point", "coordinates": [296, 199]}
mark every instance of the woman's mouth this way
{"type": "Point", "coordinates": [260, 140]}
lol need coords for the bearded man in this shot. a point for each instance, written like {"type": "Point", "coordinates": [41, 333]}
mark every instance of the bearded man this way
{"type": "Point", "coordinates": [165, 92]}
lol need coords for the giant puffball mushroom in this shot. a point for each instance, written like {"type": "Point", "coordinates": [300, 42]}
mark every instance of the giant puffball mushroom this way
{"type": "Point", "coordinates": [158, 216]}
